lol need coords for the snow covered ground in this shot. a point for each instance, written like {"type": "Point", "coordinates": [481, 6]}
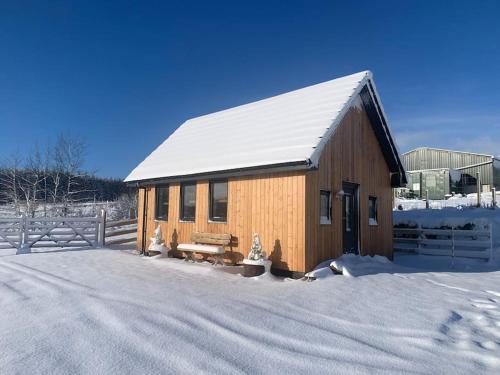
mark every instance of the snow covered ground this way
{"type": "Point", "coordinates": [112, 311]}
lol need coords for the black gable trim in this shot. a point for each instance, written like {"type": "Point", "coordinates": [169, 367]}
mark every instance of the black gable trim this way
{"type": "Point", "coordinates": [381, 130]}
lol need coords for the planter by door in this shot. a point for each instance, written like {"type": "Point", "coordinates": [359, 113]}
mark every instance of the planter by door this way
{"type": "Point", "coordinates": [350, 218]}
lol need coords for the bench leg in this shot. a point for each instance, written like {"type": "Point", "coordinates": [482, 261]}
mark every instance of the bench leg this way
{"type": "Point", "coordinates": [218, 259]}
{"type": "Point", "coordinates": [189, 257]}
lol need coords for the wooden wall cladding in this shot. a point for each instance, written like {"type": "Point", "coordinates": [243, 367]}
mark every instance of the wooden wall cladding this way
{"type": "Point", "coordinates": [272, 205]}
{"type": "Point", "coordinates": [353, 154]}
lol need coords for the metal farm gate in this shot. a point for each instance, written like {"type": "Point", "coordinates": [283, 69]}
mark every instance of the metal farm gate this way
{"type": "Point", "coordinates": [11, 232]}
{"type": "Point", "coordinates": [25, 233]}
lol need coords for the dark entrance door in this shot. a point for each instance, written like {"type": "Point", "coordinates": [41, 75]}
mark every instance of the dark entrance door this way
{"type": "Point", "coordinates": [350, 218]}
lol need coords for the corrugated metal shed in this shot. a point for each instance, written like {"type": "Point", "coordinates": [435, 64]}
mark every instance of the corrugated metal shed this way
{"type": "Point", "coordinates": [425, 158]}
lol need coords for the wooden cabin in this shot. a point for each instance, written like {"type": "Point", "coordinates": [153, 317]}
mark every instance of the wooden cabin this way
{"type": "Point", "coordinates": [311, 171]}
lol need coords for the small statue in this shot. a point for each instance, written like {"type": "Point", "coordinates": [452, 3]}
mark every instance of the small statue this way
{"type": "Point", "coordinates": [256, 252]}
{"type": "Point", "coordinates": [157, 243]}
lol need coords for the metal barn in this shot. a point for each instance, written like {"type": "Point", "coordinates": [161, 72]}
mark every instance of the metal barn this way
{"type": "Point", "coordinates": [445, 172]}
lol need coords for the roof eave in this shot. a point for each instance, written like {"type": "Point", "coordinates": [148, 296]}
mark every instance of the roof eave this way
{"type": "Point", "coordinates": [238, 172]}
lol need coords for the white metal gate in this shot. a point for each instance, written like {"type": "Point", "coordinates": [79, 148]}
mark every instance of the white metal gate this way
{"type": "Point", "coordinates": [470, 243]}
{"type": "Point", "coordinates": [25, 233]}
{"type": "Point", "coordinates": [11, 232]}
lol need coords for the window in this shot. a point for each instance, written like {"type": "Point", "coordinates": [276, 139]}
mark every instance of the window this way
{"type": "Point", "coordinates": [325, 207]}
{"type": "Point", "coordinates": [188, 201]}
{"type": "Point", "coordinates": [372, 211]}
{"type": "Point", "coordinates": [218, 201]}
{"type": "Point", "coordinates": [161, 203]}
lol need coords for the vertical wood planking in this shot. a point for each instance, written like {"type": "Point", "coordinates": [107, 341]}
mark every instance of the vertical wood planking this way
{"type": "Point", "coordinates": [284, 207]}
{"type": "Point", "coordinates": [272, 205]}
{"type": "Point", "coordinates": [354, 155]}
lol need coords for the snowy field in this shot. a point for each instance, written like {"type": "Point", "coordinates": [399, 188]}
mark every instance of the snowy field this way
{"type": "Point", "coordinates": [114, 312]}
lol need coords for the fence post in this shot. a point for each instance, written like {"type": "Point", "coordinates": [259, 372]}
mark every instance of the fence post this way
{"type": "Point", "coordinates": [102, 226]}
{"type": "Point", "coordinates": [491, 242]}
{"type": "Point", "coordinates": [21, 231]}
{"type": "Point", "coordinates": [452, 248]}
{"type": "Point", "coordinates": [419, 238]}
{"type": "Point", "coordinates": [427, 198]}
{"type": "Point", "coordinates": [23, 236]}
{"type": "Point", "coordinates": [494, 197]}
{"type": "Point", "coordinates": [478, 182]}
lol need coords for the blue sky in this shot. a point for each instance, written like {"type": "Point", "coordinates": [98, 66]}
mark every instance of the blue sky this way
{"type": "Point", "coordinates": [123, 75]}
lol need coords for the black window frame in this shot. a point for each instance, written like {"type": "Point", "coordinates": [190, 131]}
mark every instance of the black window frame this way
{"type": "Point", "coordinates": [328, 220]}
{"type": "Point", "coordinates": [372, 220]}
{"type": "Point", "coordinates": [157, 197]}
{"type": "Point", "coordinates": [211, 217]}
{"type": "Point", "coordinates": [182, 214]}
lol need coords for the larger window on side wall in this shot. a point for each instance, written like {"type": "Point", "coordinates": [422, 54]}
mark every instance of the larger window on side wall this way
{"type": "Point", "coordinates": [218, 201]}
{"type": "Point", "coordinates": [325, 208]}
{"type": "Point", "coordinates": [372, 211]}
{"type": "Point", "coordinates": [161, 203]}
{"type": "Point", "coordinates": [188, 201]}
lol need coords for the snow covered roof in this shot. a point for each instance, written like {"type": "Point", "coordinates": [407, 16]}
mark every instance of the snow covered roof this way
{"type": "Point", "coordinates": [291, 128]}
{"type": "Point", "coordinates": [447, 150]}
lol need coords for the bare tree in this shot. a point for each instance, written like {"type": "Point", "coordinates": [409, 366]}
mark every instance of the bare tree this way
{"type": "Point", "coordinates": [125, 207]}
{"type": "Point", "coordinates": [9, 179]}
{"type": "Point", "coordinates": [51, 179]}
{"type": "Point", "coordinates": [67, 171]}
{"type": "Point", "coordinates": [30, 181]}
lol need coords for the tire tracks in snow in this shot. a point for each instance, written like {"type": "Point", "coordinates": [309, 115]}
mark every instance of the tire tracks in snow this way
{"type": "Point", "coordinates": [42, 279]}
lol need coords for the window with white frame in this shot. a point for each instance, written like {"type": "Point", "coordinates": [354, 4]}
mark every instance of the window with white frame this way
{"type": "Point", "coordinates": [325, 210]}
{"type": "Point", "coordinates": [372, 211]}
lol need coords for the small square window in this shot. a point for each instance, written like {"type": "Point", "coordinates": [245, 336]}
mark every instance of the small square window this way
{"type": "Point", "coordinates": [372, 211]}
{"type": "Point", "coordinates": [325, 207]}
{"type": "Point", "coordinates": [161, 203]}
{"type": "Point", "coordinates": [188, 202]}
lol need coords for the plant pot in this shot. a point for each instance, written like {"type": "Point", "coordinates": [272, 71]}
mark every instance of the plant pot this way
{"type": "Point", "coordinates": [252, 268]}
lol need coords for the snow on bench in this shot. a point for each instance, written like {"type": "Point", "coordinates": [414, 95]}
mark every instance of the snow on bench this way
{"type": "Point", "coordinates": [206, 243]}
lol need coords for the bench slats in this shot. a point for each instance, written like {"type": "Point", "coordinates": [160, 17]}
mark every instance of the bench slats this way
{"type": "Point", "coordinates": [211, 238]}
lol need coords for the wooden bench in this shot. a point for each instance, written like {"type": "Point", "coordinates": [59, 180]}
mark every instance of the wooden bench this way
{"type": "Point", "coordinates": [206, 243]}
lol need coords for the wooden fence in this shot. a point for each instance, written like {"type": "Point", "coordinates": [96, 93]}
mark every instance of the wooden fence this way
{"type": "Point", "coordinates": [120, 232]}
{"type": "Point", "coordinates": [448, 242]}
{"type": "Point", "coordinates": [24, 233]}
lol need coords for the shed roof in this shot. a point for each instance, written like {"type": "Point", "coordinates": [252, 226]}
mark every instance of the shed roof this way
{"type": "Point", "coordinates": [425, 148]}
{"type": "Point", "coordinates": [290, 128]}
